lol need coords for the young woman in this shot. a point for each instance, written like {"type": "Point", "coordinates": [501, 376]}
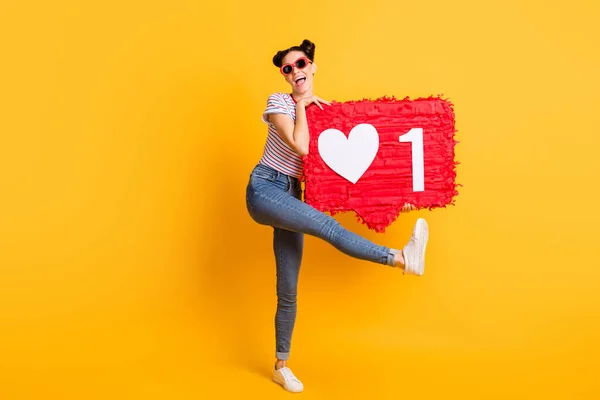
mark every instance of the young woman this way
{"type": "Point", "coordinates": [273, 198]}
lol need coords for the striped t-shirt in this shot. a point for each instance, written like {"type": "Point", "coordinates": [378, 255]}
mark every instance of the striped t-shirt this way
{"type": "Point", "coordinates": [277, 154]}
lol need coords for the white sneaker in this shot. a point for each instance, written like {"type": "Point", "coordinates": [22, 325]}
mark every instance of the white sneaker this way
{"type": "Point", "coordinates": [286, 378]}
{"type": "Point", "coordinates": [414, 251]}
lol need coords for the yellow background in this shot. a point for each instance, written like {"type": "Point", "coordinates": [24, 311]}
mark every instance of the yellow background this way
{"type": "Point", "coordinates": [130, 269]}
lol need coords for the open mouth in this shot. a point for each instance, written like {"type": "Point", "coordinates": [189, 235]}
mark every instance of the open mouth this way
{"type": "Point", "coordinates": [300, 81]}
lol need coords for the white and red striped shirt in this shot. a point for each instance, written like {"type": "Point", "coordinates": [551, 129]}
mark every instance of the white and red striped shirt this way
{"type": "Point", "coordinates": [277, 154]}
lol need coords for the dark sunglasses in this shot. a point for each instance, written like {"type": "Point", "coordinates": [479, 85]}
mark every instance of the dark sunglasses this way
{"type": "Point", "coordinates": [300, 63]}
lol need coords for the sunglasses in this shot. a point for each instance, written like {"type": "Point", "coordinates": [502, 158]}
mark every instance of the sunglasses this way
{"type": "Point", "coordinates": [300, 63]}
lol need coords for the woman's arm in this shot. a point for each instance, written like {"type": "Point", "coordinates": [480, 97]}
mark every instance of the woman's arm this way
{"type": "Point", "coordinates": [296, 135]}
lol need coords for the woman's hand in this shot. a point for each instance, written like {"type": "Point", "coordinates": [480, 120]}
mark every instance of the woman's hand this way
{"type": "Point", "coordinates": [313, 99]}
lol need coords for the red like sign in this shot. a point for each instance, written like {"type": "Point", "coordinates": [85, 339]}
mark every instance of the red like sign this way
{"type": "Point", "coordinates": [372, 157]}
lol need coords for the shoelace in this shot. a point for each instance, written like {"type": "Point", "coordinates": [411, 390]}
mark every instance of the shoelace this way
{"type": "Point", "coordinates": [289, 375]}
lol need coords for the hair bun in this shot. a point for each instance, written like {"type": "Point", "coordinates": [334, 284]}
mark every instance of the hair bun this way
{"type": "Point", "coordinates": [309, 48]}
{"type": "Point", "coordinates": [278, 58]}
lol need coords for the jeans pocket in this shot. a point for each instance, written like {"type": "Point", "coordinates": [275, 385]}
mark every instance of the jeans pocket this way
{"type": "Point", "coordinates": [263, 175]}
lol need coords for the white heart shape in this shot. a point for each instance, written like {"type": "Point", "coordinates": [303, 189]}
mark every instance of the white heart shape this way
{"type": "Point", "coordinates": [349, 157]}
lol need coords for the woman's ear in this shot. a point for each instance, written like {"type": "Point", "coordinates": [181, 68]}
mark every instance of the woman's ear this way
{"type": "Point", "coordinates": [314, 67]}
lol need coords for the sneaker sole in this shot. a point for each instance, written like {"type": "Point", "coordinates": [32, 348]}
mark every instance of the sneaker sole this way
{"type": "Point", "coordinates": [285, 387]}
{"type": "Point", "coordinates": [422, 235]}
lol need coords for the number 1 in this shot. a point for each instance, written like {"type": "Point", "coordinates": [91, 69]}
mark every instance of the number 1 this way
{"type": "Point", "coordinates": [415, 136]}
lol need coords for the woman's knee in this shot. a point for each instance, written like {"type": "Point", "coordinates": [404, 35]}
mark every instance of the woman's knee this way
{"type": "Point", "coordinates": [287, 297]}
{"type": "Point", "coordinates": [287, 287]}
{"type": "Point", "coordinates": [329, 228]}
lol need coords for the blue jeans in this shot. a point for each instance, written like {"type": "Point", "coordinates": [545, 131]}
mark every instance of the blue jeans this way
{"type": "Point", "coordinates": [274, 199]}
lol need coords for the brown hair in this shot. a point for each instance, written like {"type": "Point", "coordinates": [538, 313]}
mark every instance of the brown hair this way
{"type": "Point", "coordinates": [307, 47]}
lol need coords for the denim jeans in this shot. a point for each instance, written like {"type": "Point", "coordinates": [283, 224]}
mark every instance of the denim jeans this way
{"type": "Point", "coordinates": [274, 199]}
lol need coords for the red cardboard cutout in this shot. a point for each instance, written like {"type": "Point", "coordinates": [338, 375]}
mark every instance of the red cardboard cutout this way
{"type": "Point", "coordinates": [391, 180]}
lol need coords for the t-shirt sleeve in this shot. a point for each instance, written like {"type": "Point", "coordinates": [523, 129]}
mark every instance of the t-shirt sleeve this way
{"type": "Point", "coordinates": [276, 105]}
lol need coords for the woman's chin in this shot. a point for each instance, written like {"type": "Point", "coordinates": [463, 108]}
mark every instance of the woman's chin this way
{"type": "Point", "coordinates": [303, 89]}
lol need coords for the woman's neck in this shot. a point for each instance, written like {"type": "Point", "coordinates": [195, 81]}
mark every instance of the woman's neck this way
{"type": "Point", "coordinates": [297, 96]}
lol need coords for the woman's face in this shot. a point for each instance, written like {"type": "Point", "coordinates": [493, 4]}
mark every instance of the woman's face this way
{"type": "Point", "coordinates": [301, 80]}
